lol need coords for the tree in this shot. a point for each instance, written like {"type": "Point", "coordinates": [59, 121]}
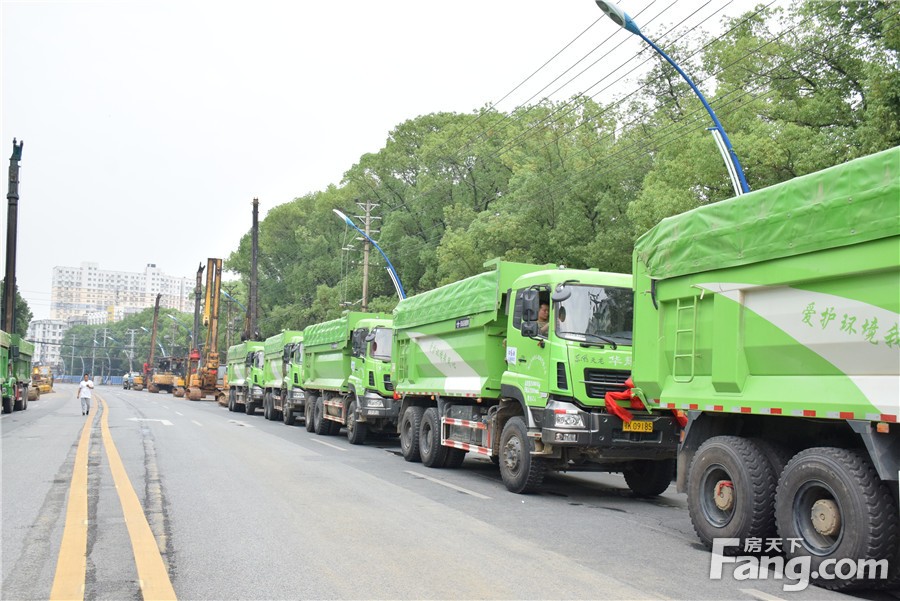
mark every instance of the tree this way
{"type": "Point", "coordinates": [23, 311]}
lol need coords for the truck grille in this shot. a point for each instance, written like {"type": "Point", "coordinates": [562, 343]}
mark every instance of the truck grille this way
{"type": "Point", "coordinates": [388, 385]}
{"type": "Point", "coordinates": [597, 382]}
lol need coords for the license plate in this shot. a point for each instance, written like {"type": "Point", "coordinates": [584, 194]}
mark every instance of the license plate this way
{"type": "Point", "coordinates": [637, 426]}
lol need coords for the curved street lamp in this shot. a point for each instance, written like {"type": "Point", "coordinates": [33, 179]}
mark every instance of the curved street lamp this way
{"type": "Point", "coordinates": [732, 164]}
{"type": "Point", "coordinates": [390, 267]}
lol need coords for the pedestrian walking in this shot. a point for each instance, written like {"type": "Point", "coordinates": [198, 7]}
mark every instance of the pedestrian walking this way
{"type": "Point", "coordinates": [84, 393]}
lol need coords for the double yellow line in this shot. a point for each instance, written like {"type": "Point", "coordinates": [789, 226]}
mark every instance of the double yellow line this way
{"type": "Point", "coordinates": [69, 581]}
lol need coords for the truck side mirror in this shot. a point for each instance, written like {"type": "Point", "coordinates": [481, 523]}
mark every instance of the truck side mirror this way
{"type": "Point", "coordinates": [531, 304]}
{"type": "Point", "coordinates": [530, 329]}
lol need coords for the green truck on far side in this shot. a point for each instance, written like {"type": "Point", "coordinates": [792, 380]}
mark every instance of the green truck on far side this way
{"type": "Point", "coordinates": [245, 376]}
{"type": "Point", "coordinates": [15, 371]}
{"type": "Point", "coordinates": [343, 369]}
{"type": "Point", "coordinates": [283, 396]}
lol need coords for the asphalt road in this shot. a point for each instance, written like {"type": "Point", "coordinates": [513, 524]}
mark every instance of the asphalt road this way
{"type": "Point", "coordinates": [244, 508]}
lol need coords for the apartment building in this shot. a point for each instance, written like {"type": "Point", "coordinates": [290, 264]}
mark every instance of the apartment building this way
{"type": "Point", "coordinates": [104, 296]}
{"type": "Point", "coordinates": [47, 334]}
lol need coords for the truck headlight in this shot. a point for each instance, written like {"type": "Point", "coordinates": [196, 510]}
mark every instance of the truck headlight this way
{"type": "Point", "coordinates": [569, 420]}
{"type": "Point", "coordinates": [375, 402]}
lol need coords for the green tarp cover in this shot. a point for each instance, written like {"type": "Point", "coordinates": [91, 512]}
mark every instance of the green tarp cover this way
{"type": "Point", "coordinates": [470, 296]}
{"type": "Point", "coordinates": [336, 330]}
{"type": "Point", "coordinates": [847, 204]}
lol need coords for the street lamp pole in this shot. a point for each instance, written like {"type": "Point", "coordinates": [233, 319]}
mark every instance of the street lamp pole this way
{"type": "Point", "coordinates": [390, 267]}
{"type": "Point", "coordinates": [732, 164]}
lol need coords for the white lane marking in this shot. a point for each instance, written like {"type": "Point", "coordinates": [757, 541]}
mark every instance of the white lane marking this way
{"type": "Point", "coordinates": [164, 422]}
{"type": "Point", "coordinates": [237, 423]}
{"type": "Point", "coordinates": [165, 406]}
{"type": "Point", "coordinates": [447, 484]}
{"type": "Point", "coordinates": [196, 422]}
{"type": "Point", "coordinates": [760, 595]}
{"type": "Point", "coordinates": [181, 414]}
{"type": "Point", "coordinates": [328, 444]}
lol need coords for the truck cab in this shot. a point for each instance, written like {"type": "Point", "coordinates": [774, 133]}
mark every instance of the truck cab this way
{"type": "Point", "coordinates": [562, 373]}
{"type": "Point", "coordinates": [370, 380]}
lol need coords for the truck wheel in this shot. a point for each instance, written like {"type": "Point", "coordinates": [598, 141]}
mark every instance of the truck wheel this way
{"type": "Point", "coordinates": [356, 431]}
{"type": "Point", "coordinates": [7, 405]}
{"type": "Point", "coordinates": [647, 478]}
{"type": "Point", "coordinates": [455, 458]}
{"type": "Point", "coordinates": [231, 396]}
{"type": "Point", "coordinates": [153, 388]}
{"type": "Point", "coordinates": [731, 490]}
{"type": "Point", "coordinates": [521, 472]}
{"type": "Point", "coordinates": [287, 416]}
{"type": "Point", "coordinates": [777, 455]}
{"type": "Point", "coordinates": [268, 409]}
{"type": "Point", "coordinates": [433, 453]}
{"type": "Point", "coordinates": [410, 424]}
{"type": "Point", "coordinates": [194, 394]}
{"type": "Point", "coordinates": [249, 405]}
{"type": "Point", "coordinates": [309, 413]}
{"type": "Point", "coordinates": [834, 502]}
{"type": "Point", "coordinates": [320, 424]}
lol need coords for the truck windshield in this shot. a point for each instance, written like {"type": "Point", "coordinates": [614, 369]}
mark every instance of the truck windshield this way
{"type": "Point", "coordinates": [381, 346]}
{"type": "Point", "coordinates": [595, 314]}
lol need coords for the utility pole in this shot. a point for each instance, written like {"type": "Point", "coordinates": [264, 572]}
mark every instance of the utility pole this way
{"type": "Point", "coordinates": [93, 353]}
{"type": "Point", "coordinates": [131, 351]}
{"type": "Point", "coordinates": [367, 224]}
{"type": "Point", "coordinates": [12, 214]}
{"type": "Point", "coordinates": [252, 333]}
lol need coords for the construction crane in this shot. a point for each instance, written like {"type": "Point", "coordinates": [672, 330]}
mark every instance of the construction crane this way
{"type": "Point", "coordinates": [205, 366]}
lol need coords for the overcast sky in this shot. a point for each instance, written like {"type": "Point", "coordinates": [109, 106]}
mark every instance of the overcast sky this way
{"type": "Point", "coordinates": [150, 126]}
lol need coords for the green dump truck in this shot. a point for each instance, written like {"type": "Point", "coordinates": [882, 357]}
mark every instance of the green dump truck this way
{"type": "Point", "coordinates": [15, 371]}
{"type": "Point", "coordinates": [283, 396]}
{"type": "Point", "coordinates": [342, 372]}
{"type": "Point", "coordinates": [479, 370]}
{"type": "Point", "coordinates": [245, 376]}
{"type": "Point", "coordinates": [771, 319]}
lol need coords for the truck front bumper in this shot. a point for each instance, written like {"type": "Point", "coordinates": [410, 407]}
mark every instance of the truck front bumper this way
{"type": "Point", "coordinates": [256, 392]}
{"type": "Point", "coordinates": [565, 425]}
{"type": "Point", "coordinates": [296, 399]}
{"type": "Point", "coordinates": [376, 407]}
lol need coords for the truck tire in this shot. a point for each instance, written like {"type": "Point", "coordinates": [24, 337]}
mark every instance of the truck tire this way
{"type": "Point", "coordinates": [309, 412]}
{"type": "Point", "coordinates": [321, 425]}
{"type": "Point", "coordinates": [455, 458]}
{"type": "Point", "coordinates": [268, 409]}
{"type": "Point", "coordinates": [288, 417]}
{"type": "Point", "coordinates": [231, 397]}
{"type": "Point", "coordinates": [835, 503]}
{"type": "Point", "coordinates": [777, 454]}
{"type": "Point", "coordinates": [731, 491]}
{"type": "Point", "coordinates": [521, 472]}
{"type": "Point", "coordinates": [647, 478]}
{"type": "Point", "coordinates": [249, 405]}
{"type": "Point", "coordinates": [7, 405]}
{"type": "Point", "coordinates": [433, 453]}
{"type": "Point", "coordinates": [410, 425]}
{"type": "Point", "coordinates": [356, 431]}
{"type": "Point", "coordinates": [153, 388]}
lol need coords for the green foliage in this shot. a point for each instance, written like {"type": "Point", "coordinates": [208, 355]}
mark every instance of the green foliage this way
{"type": "Point", "coordinates": [575, 182]}
{"type": "Point", "coordinates": [23, 311]}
